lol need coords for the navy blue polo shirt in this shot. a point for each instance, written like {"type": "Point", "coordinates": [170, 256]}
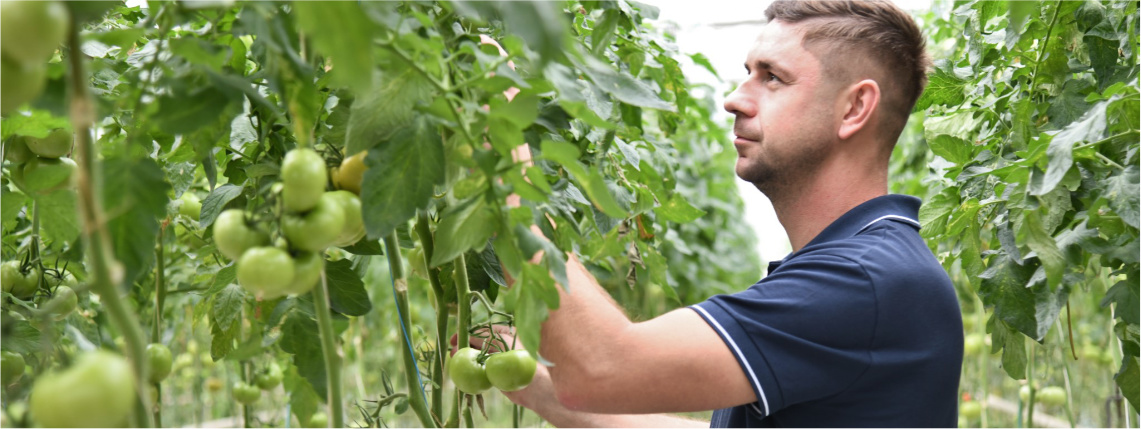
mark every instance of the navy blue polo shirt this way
{"type": "Point", "coordinates": [861, 327]}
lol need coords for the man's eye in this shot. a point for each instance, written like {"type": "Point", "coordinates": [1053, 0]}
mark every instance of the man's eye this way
{"type": "Point", "coordinates": [772, 77]}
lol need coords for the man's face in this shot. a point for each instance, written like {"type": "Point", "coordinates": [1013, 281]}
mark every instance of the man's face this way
{"type": "Point", "coordinates": [784, 122]}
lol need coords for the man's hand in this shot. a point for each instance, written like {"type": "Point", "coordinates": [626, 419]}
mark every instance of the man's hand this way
{"type": "Point", "coordinates": [539, 396]}
{"type": "Point", "coordinates": [540, 393]}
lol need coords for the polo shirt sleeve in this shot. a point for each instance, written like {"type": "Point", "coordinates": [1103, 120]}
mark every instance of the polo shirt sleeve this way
{"type": "Point", "coordinates": [801, 333]}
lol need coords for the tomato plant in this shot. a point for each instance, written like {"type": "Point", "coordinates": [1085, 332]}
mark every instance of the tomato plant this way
{"type": "Point", "coordinates": [214, 143]}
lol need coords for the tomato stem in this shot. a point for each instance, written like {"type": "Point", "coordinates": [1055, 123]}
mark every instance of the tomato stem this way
{"type": "Point", "coordinates": [107, 272]}
{"type": "Point", "coordinates": [424, 233]}
{"type": "Point", "coordinates": [329, 348]}
{"type": "Point", "coordinates": [416, 400]}
{"type": "Point", "coordinates": [160, 288]}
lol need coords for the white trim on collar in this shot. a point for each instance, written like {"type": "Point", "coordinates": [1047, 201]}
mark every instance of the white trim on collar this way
{"type": "Point", "coordinates": [896, 217]}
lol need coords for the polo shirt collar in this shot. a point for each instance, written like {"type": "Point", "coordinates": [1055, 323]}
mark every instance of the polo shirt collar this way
{"type": "Point", "coordinates": [897, 207]}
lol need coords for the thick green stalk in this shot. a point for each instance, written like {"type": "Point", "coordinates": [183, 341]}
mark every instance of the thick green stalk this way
{"type": "Point", "coordinates": [160, 288]}
{"type": "Point", "coordinates": [106, 272]}
{"type": "Point", "coordinates": [329, 348]}
{"type": "Point", "coordinates": [1033, 388]}
{"type": "Point", "coordinates": [427, 242]}
{"type": "Point", "coordinates": [463, 317]}
{"type": "Point", "coordinates": [156, 330]}
{"type": "Point", "coordinates": [463, 302]}
{"type": "Point", "coordinates": [1066, 376]}
{"type": "Point", "coordinates": [415, 398]}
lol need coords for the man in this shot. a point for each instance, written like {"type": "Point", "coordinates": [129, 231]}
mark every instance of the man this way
{"type": "Point", "coordinates": [859, 326]}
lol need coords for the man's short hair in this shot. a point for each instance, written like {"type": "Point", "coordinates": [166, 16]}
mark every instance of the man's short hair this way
{"type": "Point", "coordinates": [883, 32]}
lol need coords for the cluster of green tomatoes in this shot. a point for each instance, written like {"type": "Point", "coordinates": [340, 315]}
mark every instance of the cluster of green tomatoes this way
{"type": "Point", "coordinates": [474, 372]}
{"type": "Point", "coordinates": [266, 378]}
{"type": "Point", "coordinates": [313, 219]}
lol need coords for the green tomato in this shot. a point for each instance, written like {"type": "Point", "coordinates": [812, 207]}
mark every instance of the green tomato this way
{"type": "Point", "coordinates": [304, 176]}
{"type": "Point", "coordinates": [11, 367]}
{"type": "Point", "coordinates": [265, 271]}
{"type": "Point", "coordinates": [269, 377]}
{"type": "Point", "coordinates": [233, 235]}
{"type": "Point", "coordinates": [10, 275]}
{"type": "Point", "coordinates": [191, 206]}
{"type": "Point", "coordinates": [24, 284]}
{"type": "Point", "coordinates": [319, 228]}
{"type": "Point", "coordinates": [510, 371]}
{"type": "Point", "coordinates": [351, 173]}
{"type": "Point", "coordinates": [32, 30]}
{"type": "Point", "coordinates": [44, 175]}
{"type": "Point", "coordinates": [318, 420]}
{"type": "Point", "coordinates": [1052, 396]}
{"type": "Point", "coordinates": [245, 393]}
{"type": "Point", "coordinates": [970, 409]}
{"type": "Point", "coordinates": [22, 82]}
{"type": "Point", "coordinates": [63, 303]}
{"type": "Point", "coordinates": [1024, 392]}
{"type": "Point", "coordinates": [16, 149]}
{"type": "Point", "coordinates": [159, 361]}
{"type": "Point", "coordinates": [467, 373]}
{"type": "Point", "coordinates": [56, 144]}
{"type": "Point", "coordinates": [307, 268]}
{"type": "Point", "coordinates": [354, 221]}
{"type": "Point", "coordinates": [98, 391]}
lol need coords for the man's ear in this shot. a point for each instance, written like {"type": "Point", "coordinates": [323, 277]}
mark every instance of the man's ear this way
{"type": "Point", "coordinates": [861, 101]}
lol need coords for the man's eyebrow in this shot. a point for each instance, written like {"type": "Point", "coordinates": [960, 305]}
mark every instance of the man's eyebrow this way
{"type": "Point", "coordinates": [765, 65]}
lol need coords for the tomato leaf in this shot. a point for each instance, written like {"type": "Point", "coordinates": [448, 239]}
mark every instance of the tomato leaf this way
{"type": "Point", "coordinates": [350, 47]}
{"type": "Point", "coordinates": [10, 205]}
{"type": "Point", "coordinates": [216, 202]}
{"type": "Point", "coordinates": [1126, 295]}
{"type": "Point", "coordinates": [401, 177]}
{"type": "Point", "coordinates": [303, 399]}
{"type": "Point", "coordinates": [21, 337]}
{"type": "Point", "coordinates": [1127, 379]}
{"type": "Point", "coordinates": [138, 202]}
{"type": "Point", "coordinates": [59, 219]}
{"type": "Point", "coordinates": [622, 86]}
{"type": "Point", "coordinates": [346, 290]}
{"type": "Point", "coordinates": [943, 89]}
{"type": "Point", "coordinates": [365, 246]}
{"type": "Point", "coordinates": [1060, 152]}
{"type": "Point", "coordinates": [298, 337]}
{"type": "Point", "coordinates": [1122, 191]}
{"type": "Point", "coordinates": [461, 228]}
{"type": "Point", "coordinates": [677, 209]}
{"type": "Point", "coordinates": [376, 116]}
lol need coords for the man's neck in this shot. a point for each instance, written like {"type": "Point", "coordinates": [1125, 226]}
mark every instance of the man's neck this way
{"type": "Point", "coordinates": [807, 210]}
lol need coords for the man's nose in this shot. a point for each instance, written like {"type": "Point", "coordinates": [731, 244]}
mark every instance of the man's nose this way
{"type": "Point", "coordinates": [739, 103]}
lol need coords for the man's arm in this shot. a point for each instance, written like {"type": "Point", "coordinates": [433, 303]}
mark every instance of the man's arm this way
{"type": "Point", "coordinates": [604, 363]}
{"type": "Point", "coordinates": [539, 396]}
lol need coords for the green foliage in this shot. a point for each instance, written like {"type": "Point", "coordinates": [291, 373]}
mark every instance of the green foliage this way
{"type": "Point", "coordinates": [629, 172]}
{"type": "Point", "coordinates": [1035, 135]}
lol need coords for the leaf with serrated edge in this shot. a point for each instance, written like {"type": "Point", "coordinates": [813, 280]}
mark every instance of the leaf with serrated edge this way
{"type": "Point", "coordinates": [347, 294]}
{"type": "Point", "coordinates": [401, 177]}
